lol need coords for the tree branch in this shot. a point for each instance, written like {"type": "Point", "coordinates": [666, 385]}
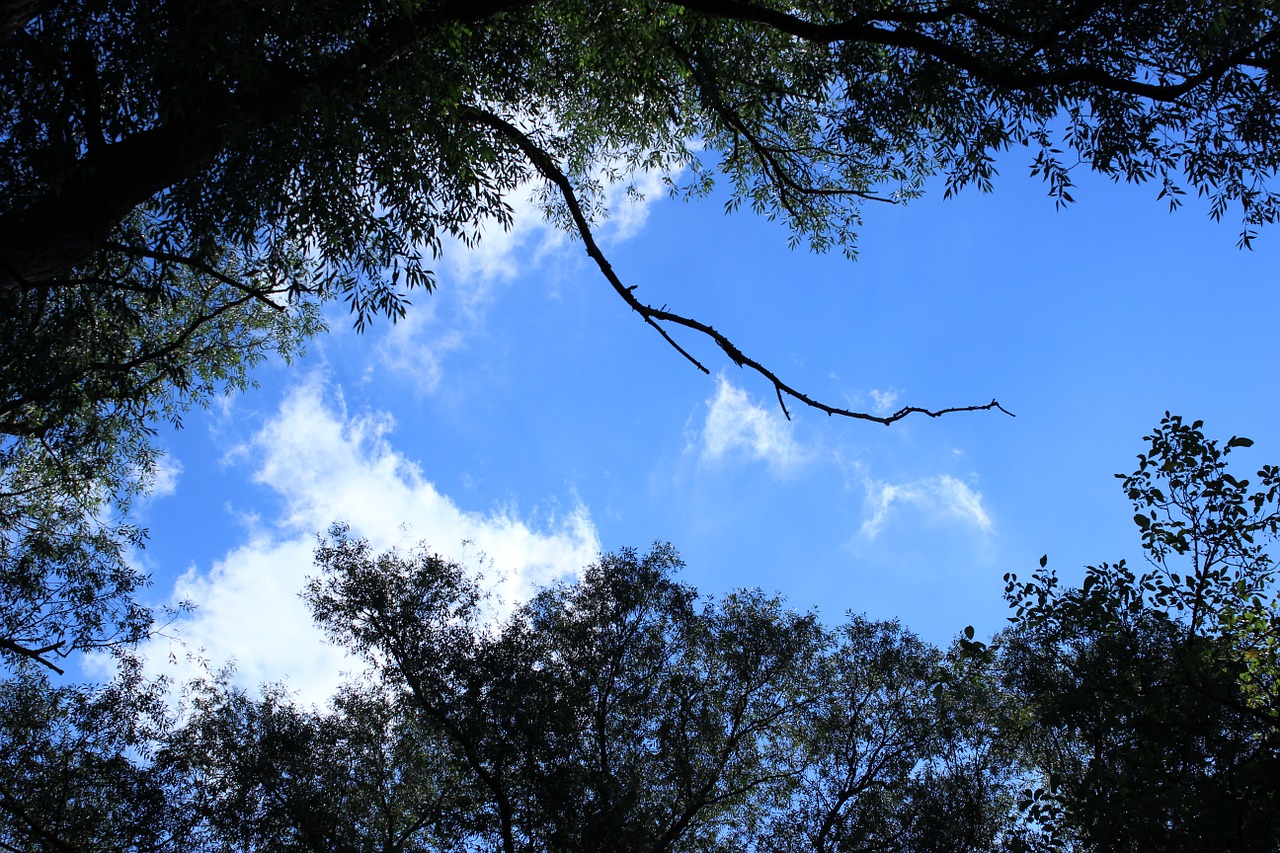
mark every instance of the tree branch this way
{"type": "Point", "coordinates": [655, 317]}
{"type": "Point", "coordinates": [199, 266]}
{"type": "Point", "coordinates": [768, 156]}
{"type": "Point", "coordinates": [11, 804]}
{"type": "Point", "coordinates": [867, 31]}
{"type": "Point", "coordinates": [15, 15]}
{"type": "Point", "coordinates": [37, 655]}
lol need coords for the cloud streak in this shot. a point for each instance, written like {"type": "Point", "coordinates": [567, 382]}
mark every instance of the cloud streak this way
{"type": "Point", "coordinates": [938, 498]}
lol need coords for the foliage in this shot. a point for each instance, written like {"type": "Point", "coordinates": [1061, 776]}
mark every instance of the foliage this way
{"type": "Point", "coordinates": [620, 713]}
{"type": "Point", "coordinates": [86, 373]}
{"type": "Point", "coordinates": [617, 712]}
{"type": "Point", "coordinates": [182, 182]}
{"type": "Point", "coordinates": [363, 137]}
{"type": "Point", "coordinates": [1151, 698]}
{"type": "Point", "coordinates": [264, 774]}
{"type": "Point", "coordinates": [75, 773]}
{"type": "Point", "coordinates": [901, 753]}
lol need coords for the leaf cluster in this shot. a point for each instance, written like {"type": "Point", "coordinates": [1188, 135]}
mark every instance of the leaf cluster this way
{"type": "Point", "coordinates": [1150, 696]}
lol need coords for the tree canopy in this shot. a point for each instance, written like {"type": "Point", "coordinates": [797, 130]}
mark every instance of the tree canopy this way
{"type": "Point", "coordinates": [330, 148]}
{"type": "Point", "coordinates": [1152, 703]}
{"type": "Point", "coordinates": [622, 710]}
{"type": "Point", "coordinates": [183, 184]}
{"type": "Point", "coordinates": [618, 712]}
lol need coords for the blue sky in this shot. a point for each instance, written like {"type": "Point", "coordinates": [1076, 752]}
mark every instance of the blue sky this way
{"type": "Point", "coordinates": [522, 408]}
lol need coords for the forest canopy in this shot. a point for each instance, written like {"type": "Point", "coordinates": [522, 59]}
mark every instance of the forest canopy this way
{"type": "Point", "coordinates": [624, 711]}
{"type": "Point", "coordinates": [233, 157]}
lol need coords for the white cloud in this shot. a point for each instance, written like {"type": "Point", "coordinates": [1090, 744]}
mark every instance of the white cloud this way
{"type": "Point", "coordinates": [328, 465]}
{"type": "Point", "coordinates": [938, 497]}
{"type": "Point", "coordinates": [164, 476]}
{"type": "Point", "coordinates": [736, 424]}
{"type": "Point", "coordinates": [883, 401]}
{"type": "Point", "coordinates": [418, 346]}
{"type": "Point", "coordinates": [630, 210]}
{"type": "Point", "coordinates": [501, 252]}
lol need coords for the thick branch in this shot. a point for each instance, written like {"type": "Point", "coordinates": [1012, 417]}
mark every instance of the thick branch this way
{"type": "Point", "coordinates": [869, 32]}
{"type": "Point", "coordinates": [655, 317]}
{"type": "Point", "coordinates": [37, 655]}
{"type": "Point", "coordinates": [13, 806]}
{"type": "Point", "coordinates": [15, 15]}
{"type": "Point", "coordinates": [63, 229]}
{"type": "Point", "coordinates": [59, 230]}
{"type": "Point", "coordinates": [438, 711]}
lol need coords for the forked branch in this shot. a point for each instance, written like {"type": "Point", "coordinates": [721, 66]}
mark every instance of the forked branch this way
{"type": "Point", "coordinates": [657, 317]}
{"type": "Point", "coordinates": [39, 655]}
{"type": "Point", "coordinates": [262, 295]}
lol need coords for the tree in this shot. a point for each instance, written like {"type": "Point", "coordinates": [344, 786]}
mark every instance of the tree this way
{"type": "Point", "coordinates": [85, 375]}
{"type": "Point", "coordinates": [620, 713]}
{"type": "Point", "coordinates": [358, 138]}
{"type": "Point", "coordinates": [1151, 698]}
{"type": "Point", "coordinates": [182, 182]}
{"type": "Point", "coordinates": [901, 753]}
{"type": "Point", "coordinates": [261, 773]}
{"type": "Point", "coordinates": [75, 765]}
{"type": "Point", "coordinates": [616, 712]}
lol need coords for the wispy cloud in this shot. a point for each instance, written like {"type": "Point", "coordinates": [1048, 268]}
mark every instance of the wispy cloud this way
{"type": "Point", "coordinates": [883, 402]}
{"type": "Point", "coordinates": [419, 346]}
{"type": "Point", "coordinates": [164, 476]}
{"type": "Point", "coordinates": [501, 252]}
{"type": "Point", "coordinates": [629, 205]}
{"type": "Point", "coordinates": [736, 424]}
{"type": "Point", "coordinates": [329, 465]}
{"type": "Point", "coordinates": [940, 497]}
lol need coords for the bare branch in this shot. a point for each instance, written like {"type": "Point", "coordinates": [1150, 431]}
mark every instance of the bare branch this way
{"type": "Point", "coordinates": [657, 316]}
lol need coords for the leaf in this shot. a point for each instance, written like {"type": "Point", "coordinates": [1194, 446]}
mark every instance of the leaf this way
{"type": "Point", "coordinates": [1240, 441]}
